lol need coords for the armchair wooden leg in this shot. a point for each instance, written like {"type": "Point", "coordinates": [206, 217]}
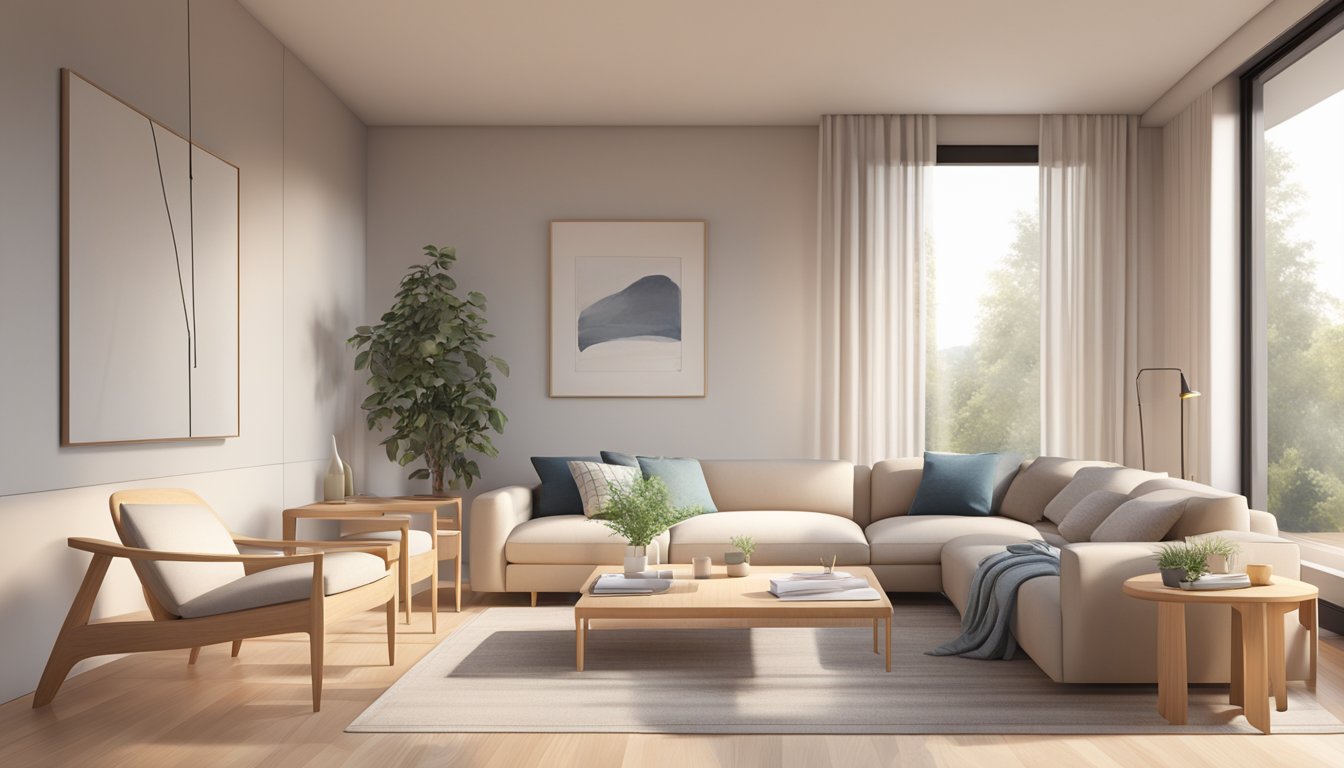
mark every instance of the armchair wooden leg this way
{"type": "Point", "coordinates": [391, 632]}
{"type": "Point", "coordinates": [406, 588]}
{"type": "Point", "coordinates": [237, 646]}
{"type": "Point", "coordinates": [63, 655]}
{"type": "Point", "coordinates": [193, 656]}
{"type": "Point", "coordinates": [317, 635]}
{"type": "Point", "coordinates": [457, 580]}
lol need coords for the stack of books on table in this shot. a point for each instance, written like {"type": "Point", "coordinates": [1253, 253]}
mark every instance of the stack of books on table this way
{"type": "Point", "coordinates": [836, 585]}
{"type": "Point", "coordinates": [641, 583]}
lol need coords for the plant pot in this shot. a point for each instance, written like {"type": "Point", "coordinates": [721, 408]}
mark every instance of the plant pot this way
{"type": "Point", "coordinates": [636, 559]}
{"type": "Point", "coordinates": [1172, 577]}
{"type": "Point", "coordinates": [739, 569]}
{"type": "Point", "coordinates": [734, 558]}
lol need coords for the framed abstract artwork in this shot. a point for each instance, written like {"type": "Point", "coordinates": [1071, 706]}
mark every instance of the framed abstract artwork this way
{"type": "Point", "coordinates": [628, 308]}
{"type": "Point", "coordinates": [149, 278]}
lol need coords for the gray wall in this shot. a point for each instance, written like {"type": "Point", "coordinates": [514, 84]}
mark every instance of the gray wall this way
{"type": "Point", "coordinates": [491, 192]}
{"type": "Point", "coordinates": [302, 160]}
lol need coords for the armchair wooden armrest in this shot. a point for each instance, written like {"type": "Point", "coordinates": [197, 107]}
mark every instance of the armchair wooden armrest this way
{"type": "Point", "coordinates": [110, 549]}
{"type": "Point", "coordinates": [388, 552]}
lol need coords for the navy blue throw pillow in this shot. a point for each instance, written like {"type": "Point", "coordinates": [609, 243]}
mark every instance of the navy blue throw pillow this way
{"type": "Point", "coordinates": [956, 484]}
{"type": "Point", "coordinates": [620, 459]}
{"type": "Point", "coordinates": [559, 494]}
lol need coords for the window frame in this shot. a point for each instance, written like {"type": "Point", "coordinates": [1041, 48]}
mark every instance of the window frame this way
{"type": "Point", "coordinates": [1289, 48]}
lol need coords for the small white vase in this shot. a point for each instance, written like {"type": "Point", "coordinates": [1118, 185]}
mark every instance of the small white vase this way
{"type": "Point", "coordinates": [636, 559]}
{"type": "Point", "coordinates": [654, 553]}
{"type": "Point", "coordinates": [738, 569]}
{"type": "Point", "coordinates": [349, 479]}
{"type": "Point", "coordinates": [333, 485]}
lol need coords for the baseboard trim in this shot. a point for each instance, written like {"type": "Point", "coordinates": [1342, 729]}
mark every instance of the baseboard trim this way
{"type": "Point", "coordinates": [1330, 616]}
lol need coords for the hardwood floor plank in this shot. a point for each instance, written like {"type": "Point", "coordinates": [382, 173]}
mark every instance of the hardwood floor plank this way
{"type": "Point", "coordinates": [151, 710]}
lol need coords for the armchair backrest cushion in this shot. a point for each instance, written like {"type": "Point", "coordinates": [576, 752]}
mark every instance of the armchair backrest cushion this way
{"type": "Point", "coordinates": [799, 485]}
{"type": "Point", "coordinates": [179, 528]}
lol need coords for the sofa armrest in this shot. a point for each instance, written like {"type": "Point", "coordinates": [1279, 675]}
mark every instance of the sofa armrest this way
{"type": "Point", "coordinates": [1264, 522]}
{"type": "Point", "coordinates": [493, 516]}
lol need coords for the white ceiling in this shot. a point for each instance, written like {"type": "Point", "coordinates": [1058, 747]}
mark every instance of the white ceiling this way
{"type": "Point", "coordinates": [743, 62]}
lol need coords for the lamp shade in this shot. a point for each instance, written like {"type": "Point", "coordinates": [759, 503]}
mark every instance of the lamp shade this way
{"type": "Point", "coordinates": [1186, 391]}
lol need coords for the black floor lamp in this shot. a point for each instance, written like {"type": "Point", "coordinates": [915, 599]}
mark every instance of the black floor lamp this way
{"type": "Point", "coordinates": [1186, 394]}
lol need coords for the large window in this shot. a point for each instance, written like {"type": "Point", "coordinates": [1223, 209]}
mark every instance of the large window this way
{"type": "Point", "coordinates": [983, 372]}
{"type": "Point", "coordinates": [1295, 148]}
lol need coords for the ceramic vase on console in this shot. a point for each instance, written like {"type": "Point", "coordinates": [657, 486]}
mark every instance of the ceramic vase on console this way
{"type": "Point", "coordinates": [333, 485]}
{"type": "Point", "coordinates": [737, 563]}
{"type": "Point", "coordinates": [636, 559]}
{"type": "Point", "coordinates": [349, 479]}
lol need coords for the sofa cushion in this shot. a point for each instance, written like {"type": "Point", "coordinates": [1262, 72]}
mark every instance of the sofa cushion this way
{"type": "Point", "coordinates": [558, 494]}
{"type": "Point", "coordinates": [595, 479]}
{"type": "Point", "coordinates": [568, 540]}
{"type": "Point", "coordinates": [961, 557]}
{"type": "Point", "coordinates": [1091, 479]}
{"type": "Point", "coordinates": [685, 481]}
{"type": "Point", "coordinates": [1049, 532]}
{"type": "Point", "coordinates": [794, 484]}
{"type": "Point", "coordinates": [1146, 518]}
{"type": "Point", "coordinates": [1089, 513]}
{"type": "Point", "coordinates": [1209, 509]}
{"type": "Point", "coordinates": [179, 528]}
{"type": "Point", "coordinates": [1038, 483]}
{"type": "Point", "coordinates": [341, 571]}
{"type": "Point", "coordinates": [919, 539]}
{"type": "Point", "coordinates": [894, 482]}
{"type": "Point", "coordinates": [418, 542]}
{"type": "Point", "coordinates": [956, 484]}
{"type": "Point", "coordinates": [782, 538]}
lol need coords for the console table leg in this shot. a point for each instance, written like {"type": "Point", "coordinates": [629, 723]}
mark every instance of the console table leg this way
{"type": "Point", "coordinates": [875, 621]}
{"type": "Point", "coordinates": [580, 625]}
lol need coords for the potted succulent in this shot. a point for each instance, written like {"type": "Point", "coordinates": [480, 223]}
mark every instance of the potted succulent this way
{"type": "Point", "coordinates": [640, 511]}
{"type": "Point", "coordinates": [1189, 560]}
{"type": "Point", "coordinates": [739, 560]}
{"type": "Point", "coordinates": [432, 383]}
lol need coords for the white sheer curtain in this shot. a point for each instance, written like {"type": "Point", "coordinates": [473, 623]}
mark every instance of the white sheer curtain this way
{"type": "Point", "coordinates": [1089, 234]}
{"type": "Point", "coordinates": [870, 283]}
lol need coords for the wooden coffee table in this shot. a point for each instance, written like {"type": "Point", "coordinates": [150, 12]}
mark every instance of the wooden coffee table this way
{"type": "Point", "coordinates": [743, 601]}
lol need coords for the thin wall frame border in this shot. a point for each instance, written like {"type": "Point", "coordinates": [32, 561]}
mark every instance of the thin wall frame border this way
{"type": "Point", "coordinates": [65, 272]}
{"type": "Point", "coordinates": [703, 314]}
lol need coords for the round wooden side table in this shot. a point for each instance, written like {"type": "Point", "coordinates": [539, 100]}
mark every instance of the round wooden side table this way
{"type": "Point", "coordinates": [1257, 641]}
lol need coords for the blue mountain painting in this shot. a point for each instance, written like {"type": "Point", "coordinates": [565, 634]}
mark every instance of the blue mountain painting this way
{"type": "Point", "coordinates": [650, 306]}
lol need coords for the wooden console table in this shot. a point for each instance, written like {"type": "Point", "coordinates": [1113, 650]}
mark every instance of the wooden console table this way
{"type": "Point", "coordinates": [1257, 641]}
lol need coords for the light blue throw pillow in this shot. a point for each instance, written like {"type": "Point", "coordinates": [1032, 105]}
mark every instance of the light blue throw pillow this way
{"type": "Point", "coordinates": [956, 484]}
{"type": "Point", "coordinates": [685, 481]}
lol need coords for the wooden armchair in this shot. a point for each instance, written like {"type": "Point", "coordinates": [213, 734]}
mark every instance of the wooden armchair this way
{"type": "Point", "coordinates": [201, 590]}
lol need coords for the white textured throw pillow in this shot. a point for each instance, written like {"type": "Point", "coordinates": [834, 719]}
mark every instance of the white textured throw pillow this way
{"type": "Point", "coordinates": [594, 480]}
{"type": "Point", "coordinates": [1147, 518]}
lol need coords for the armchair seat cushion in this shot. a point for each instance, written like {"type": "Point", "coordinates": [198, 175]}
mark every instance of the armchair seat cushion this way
{"type": "Point", "coordinates": [782, 538]}
{"type": "Point", "coordinates": [419, 542]}
{"type": "Point", "coordinates": [341, 571]}
{"type": "Point", "coordinates": [567, 540]}
{"type": "Point", "coordinates": [179, 528]}
{"type": "Point", "coordinates": [919, 539]}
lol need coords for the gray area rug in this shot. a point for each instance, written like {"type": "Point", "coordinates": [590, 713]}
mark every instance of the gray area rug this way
{"type": "Point", "coordinates": [512, 670]}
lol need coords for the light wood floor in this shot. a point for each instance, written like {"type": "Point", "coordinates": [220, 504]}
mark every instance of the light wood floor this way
{"type": "Point", "coordinates": [153, 710]}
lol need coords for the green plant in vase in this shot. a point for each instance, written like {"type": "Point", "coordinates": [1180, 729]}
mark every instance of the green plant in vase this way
{"type": "Point", "coordinates": [639, 512]}
{"type": "Point", "coordinates": [432, 383]}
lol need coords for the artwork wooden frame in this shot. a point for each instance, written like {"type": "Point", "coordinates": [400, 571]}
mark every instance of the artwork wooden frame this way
{"type": "Point", "coordinates": [149, 277]}
{"type": "Point", "coordinates": [627, 308]}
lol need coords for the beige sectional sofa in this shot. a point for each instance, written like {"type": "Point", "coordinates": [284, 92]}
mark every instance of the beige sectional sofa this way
{"type": "Point", "coordinates": [1078, 627]}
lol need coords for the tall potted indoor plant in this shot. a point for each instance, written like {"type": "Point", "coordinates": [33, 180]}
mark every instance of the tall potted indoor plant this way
{"type": "Point", "coordinates": [432, 384]}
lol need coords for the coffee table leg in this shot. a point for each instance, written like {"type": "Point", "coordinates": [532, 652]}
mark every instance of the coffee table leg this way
{"type": "Point", "coordinates": [1256, 708]}
{"type": "Point", "coordinates": [875, 621]}
{"type": "Point", "coordinates": [888, 643]}
{"type": "Point", "coordinates": [579, 626]}
{"type": "Point", "coordinates": [1171, 663]}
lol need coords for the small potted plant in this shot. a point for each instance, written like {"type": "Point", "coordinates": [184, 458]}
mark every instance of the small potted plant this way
{"type": "Point", "coordinates": [739, 560]}
{"type": "Point", "coordinates": [639, 512]}
{"type": "Point", "coordinates": [1179, 561]}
